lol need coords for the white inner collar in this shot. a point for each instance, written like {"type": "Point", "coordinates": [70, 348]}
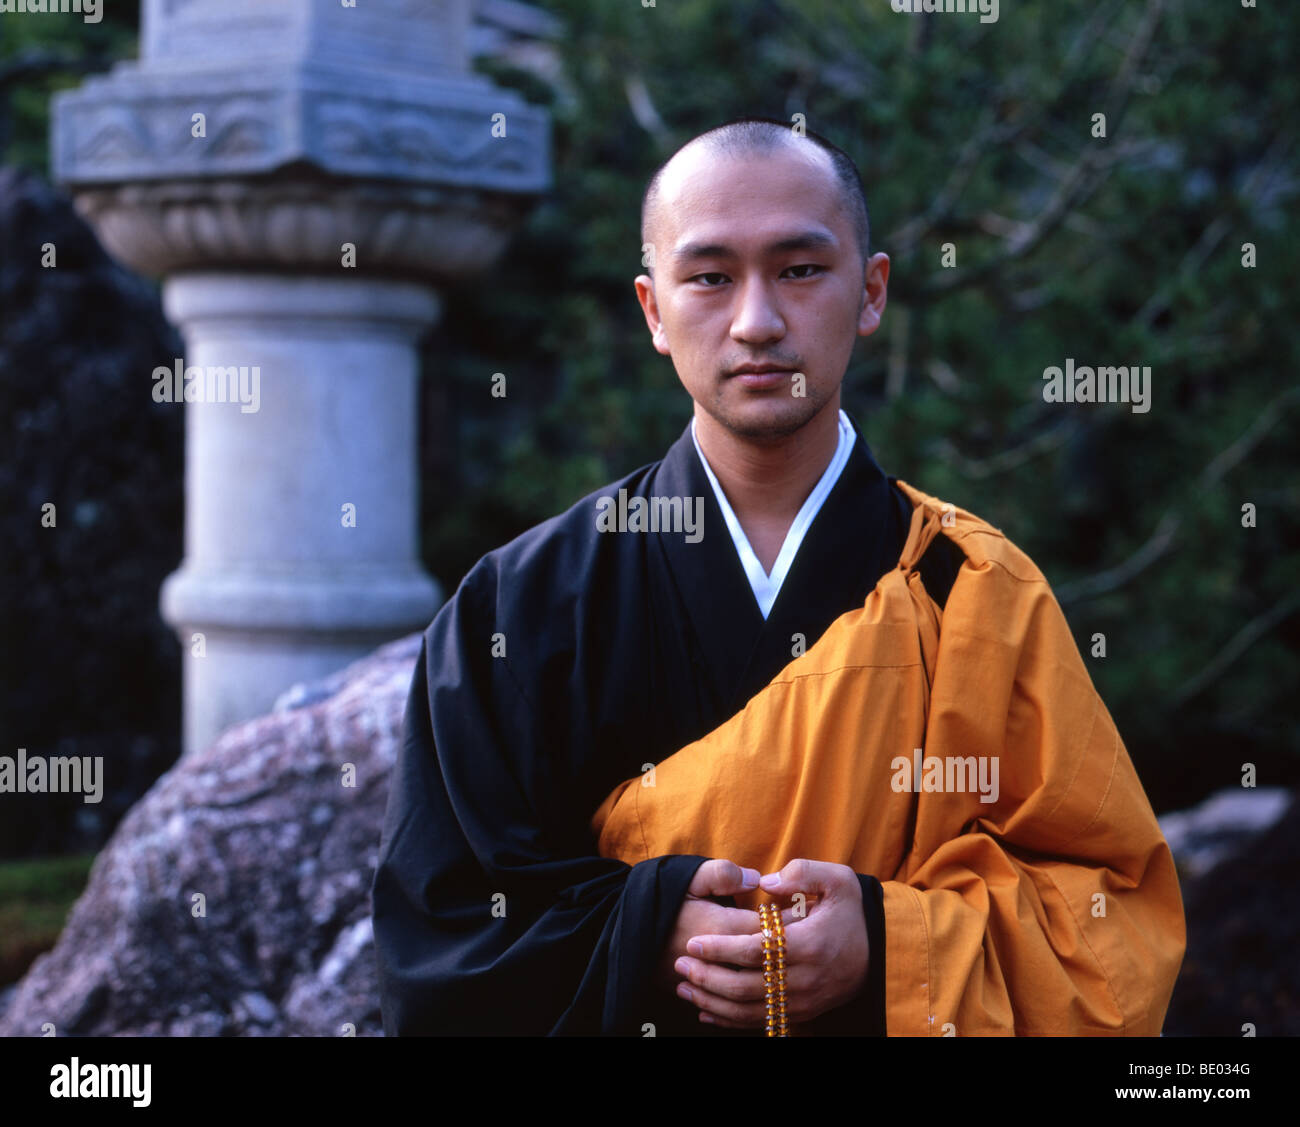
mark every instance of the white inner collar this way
{"type": "Point", "coordinates": [767, 586]}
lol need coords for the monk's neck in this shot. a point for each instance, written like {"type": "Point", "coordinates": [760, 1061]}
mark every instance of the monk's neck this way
{"type": "Point", "coordinates": [767, 484]}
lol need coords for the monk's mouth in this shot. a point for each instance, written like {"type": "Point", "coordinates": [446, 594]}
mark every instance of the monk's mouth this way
{"type": "Point", "coordinates": [762, 379]}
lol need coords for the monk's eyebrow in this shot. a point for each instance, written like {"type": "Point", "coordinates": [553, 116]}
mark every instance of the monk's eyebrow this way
{"type": "Point", "coordinates": [803, 240]}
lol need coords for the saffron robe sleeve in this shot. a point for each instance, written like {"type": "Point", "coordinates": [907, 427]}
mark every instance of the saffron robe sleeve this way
{"type": "Point", "coordinates": [965, 759]}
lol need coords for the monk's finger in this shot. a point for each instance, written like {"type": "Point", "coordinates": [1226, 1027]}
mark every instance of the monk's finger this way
{"type": "Point", "coordinates": [708, 918]}
{"type": "Point", "coordinates": [740, 942]}
{"type": "Point", "coordinates": [746, 1014]}
{"type": "Point", "coordinates": [720, 877]}
{"type": "Point", "coordinates": [723, 982]}
{"type": "Point", "coordinates": [741, 949]}
{"type": "Point", "coordinates": [812, 878]}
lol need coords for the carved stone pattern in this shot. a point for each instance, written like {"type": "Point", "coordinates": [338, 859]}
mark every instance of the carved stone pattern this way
{"type": "Point", "coordinates": [422, 142]}
{"type": "Point", "coordinates": [437, 234]}
{"type": "Point", "coordinates": [103, 137]}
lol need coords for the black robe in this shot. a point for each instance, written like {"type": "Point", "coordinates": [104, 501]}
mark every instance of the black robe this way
{"type": "Point", "coordinates": [493, 912]}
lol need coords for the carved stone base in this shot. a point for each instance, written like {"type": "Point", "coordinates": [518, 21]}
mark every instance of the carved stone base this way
{"type": "Point", "coordinates": [301, 222]}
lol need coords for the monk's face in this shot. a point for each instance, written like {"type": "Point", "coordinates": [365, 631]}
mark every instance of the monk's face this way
{"type": "Point", "coordinates": [756, 262]}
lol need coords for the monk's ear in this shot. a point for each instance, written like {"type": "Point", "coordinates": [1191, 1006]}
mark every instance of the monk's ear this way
{"type": "Point", "coordinates": [645, 294]}
{"type": "Point", "coordinates": [875, 288]}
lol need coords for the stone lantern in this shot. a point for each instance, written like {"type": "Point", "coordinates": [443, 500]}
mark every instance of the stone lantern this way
{"type": "Point", "coordinates": [305, 175]}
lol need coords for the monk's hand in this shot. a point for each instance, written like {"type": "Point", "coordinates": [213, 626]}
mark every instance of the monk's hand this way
{"type": "Point", "coordinates": [701, 913]}
{"type": "Point", "coordinates": [826, 951]}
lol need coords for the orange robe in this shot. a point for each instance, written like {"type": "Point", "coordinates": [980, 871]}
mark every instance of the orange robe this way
{"type": "Point", "coordinates": [1040, 899]}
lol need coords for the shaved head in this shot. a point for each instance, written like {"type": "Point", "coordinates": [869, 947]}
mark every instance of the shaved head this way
{"type": "Point", "coordinates": [750, 136]}
{"type": "Point", "coordinates": [758, 259]}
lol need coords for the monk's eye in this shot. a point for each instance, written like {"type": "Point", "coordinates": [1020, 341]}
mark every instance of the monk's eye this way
{"type": "Point", "coordinates": [809, 266]}
{"type": "Point", "coordinates": [698, 277]}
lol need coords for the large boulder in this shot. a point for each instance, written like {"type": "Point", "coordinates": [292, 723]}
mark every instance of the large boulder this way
{"type": "Point", "coordinates": [234, 898]}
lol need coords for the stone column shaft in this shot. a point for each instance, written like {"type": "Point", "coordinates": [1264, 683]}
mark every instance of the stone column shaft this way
{"type": "Point", "coordinates": [301, 541]}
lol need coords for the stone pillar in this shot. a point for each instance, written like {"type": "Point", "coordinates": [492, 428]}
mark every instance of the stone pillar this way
{"type": "Point", "coordinates": [305, 177]}
{"type": "Point", "coordinates": [301, 545]}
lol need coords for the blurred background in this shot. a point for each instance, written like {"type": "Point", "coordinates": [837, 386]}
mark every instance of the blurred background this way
{"type": "Point", "coordinates": [1125, 249]}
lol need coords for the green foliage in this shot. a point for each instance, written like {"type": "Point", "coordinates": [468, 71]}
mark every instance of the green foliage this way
{"type": "Point", "coordinates": [35, 897]}
{"type": "Point", "coordinates": [1143, 268]}
{"type": "Point", "coordinates": [67, 48]}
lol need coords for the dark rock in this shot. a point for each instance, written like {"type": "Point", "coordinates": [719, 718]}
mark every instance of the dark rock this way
{"type": "Point", "coordinates": [1221, 826]}
{"type": "Point", "coordinates": [1243, 931]}
{"type": "Point", "coordinates": [262, 827]}
{"type": "Point", "coordinates": [87, 666]}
